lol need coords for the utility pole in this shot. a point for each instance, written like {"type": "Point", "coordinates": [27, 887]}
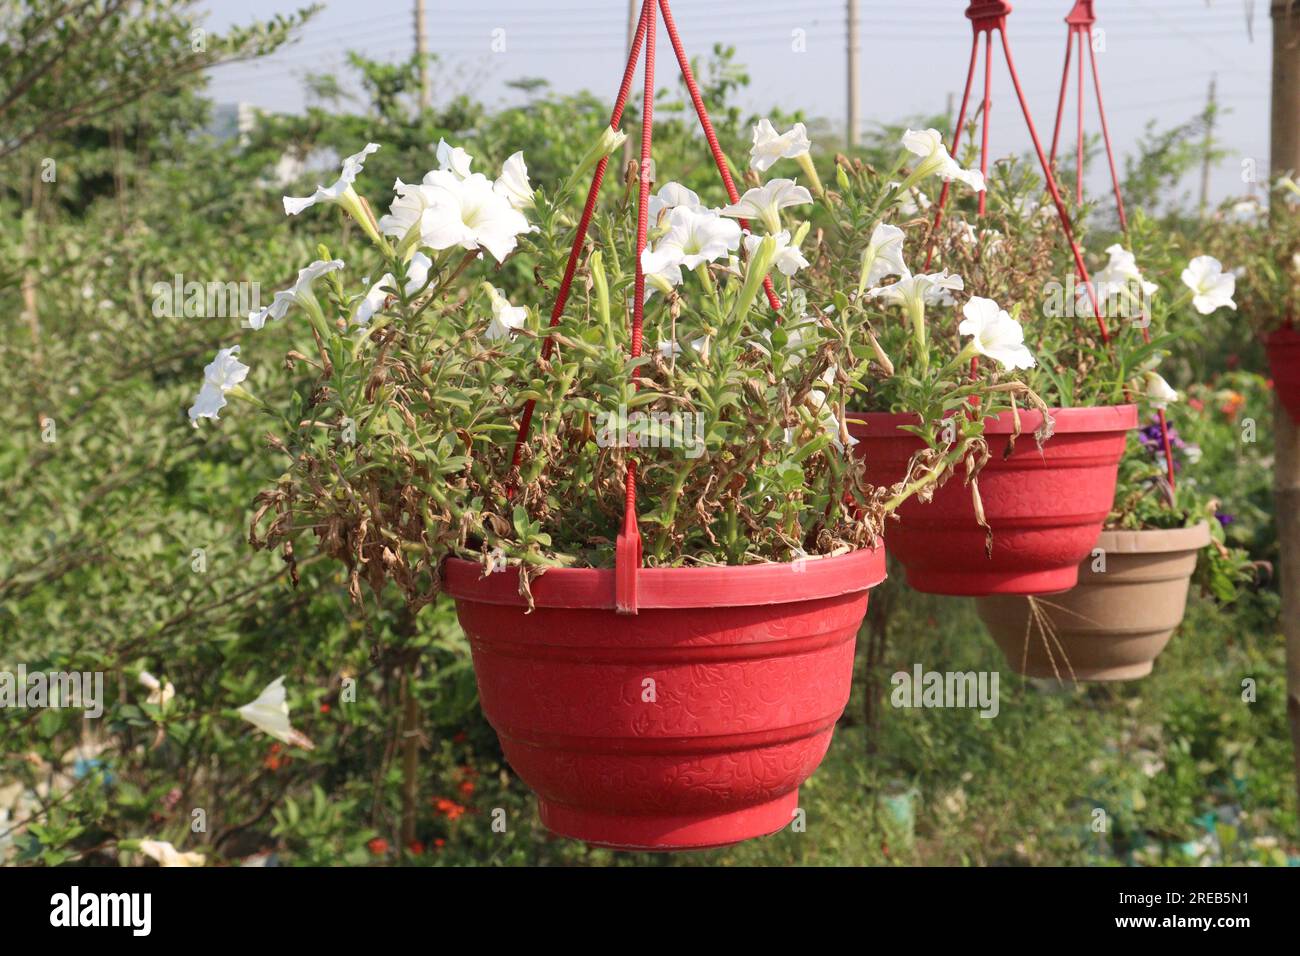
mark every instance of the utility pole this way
{"type": "Point", "coordinates": [422, 53]}
{"type": "Point", "coordinates": [851, 127]}
{"type": "Point", "coordinates": [1284, 156]}
{"type": "Point", "coordinates": [1206, 163]}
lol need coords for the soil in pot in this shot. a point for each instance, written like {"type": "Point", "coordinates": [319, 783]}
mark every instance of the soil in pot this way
{"type": "Point", "coordinates": [1045, 508]}
{"type": "Point", "coordinates": [1114, 624]}
{"type": "Point", "coordinates": [686, 726]}
{"type": "Point", "coordinates": [1284, 360]}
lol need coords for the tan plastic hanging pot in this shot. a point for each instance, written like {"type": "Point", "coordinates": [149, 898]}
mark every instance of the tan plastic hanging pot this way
{"type": "Point", "coordinates": [1131, 597]}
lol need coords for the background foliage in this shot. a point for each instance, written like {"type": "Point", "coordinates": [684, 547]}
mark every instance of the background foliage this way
{"type": "Point", "coordinates": [122, 540]}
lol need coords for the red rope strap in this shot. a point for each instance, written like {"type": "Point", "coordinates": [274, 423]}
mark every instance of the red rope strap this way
{"type": "Point", "coordinates": [1079, 24]}
{"type": "Point", "coordinates": [688, 75]}
{"type": "Point", "coordinates": [628, 549]}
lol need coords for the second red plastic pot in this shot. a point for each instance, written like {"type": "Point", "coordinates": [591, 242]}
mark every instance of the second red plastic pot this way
{"type": "Point", "coordinates": [1045, 508]}
{"type": "Point", "coordinates": [1284, 360]}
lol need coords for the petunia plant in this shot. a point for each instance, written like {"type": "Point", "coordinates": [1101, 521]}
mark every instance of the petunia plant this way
{"type": "Point", "coordinates": [400, 442]}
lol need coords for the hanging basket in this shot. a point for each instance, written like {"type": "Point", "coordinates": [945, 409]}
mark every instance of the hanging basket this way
{"type": "Point", "coordinates": [1045, 509]}
{"type": "Point", "coordinates": [663, 708]}
{"type": "Point", "coordinates": [1284, 360]}
{"type": "Point", "coordinates": [689, 725]}
{"type": "Point", "coordinates": [1114, 624]}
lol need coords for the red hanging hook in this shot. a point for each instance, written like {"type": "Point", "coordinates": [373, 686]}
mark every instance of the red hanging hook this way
{"type": "Point", "coordinates": [989, 17]}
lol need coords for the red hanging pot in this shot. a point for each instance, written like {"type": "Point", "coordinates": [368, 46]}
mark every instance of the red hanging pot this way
{"type": "Point", "coordinates": [1284, 359]}
{"type": "Point", "coordinates": [1045, 508]}
{"type": "Point", "coordinates": [690, 724]}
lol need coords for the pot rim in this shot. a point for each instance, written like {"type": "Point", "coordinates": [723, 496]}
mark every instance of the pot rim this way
{"type": "Point", "coordinates": [1155, 540]}
{"type": "Point", "coordinates": [1073, 419]}
{"type": "Point", "coordinates": [747, 585]}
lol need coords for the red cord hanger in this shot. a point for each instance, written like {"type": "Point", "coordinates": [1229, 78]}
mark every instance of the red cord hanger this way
{"type": "Point", "coordinates": [1079, 23]}
{"type": "Point", "coordinates": [628, 552]}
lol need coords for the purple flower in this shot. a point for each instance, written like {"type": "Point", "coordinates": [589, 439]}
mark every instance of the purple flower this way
{"type": "Point", "coordinates": [1153, 442]}
{"type": "Point", "coordinates": [1225, 518]}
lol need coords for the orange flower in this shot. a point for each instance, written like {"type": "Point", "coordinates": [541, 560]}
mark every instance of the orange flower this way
{"type": "Point", "coordinates": [416, 848]}
{"type": "Point", "coordinates": [378, 846]}
{"type": "Point", "coordinates": [1233, 403]}
{"type": "Point", "coordinates": [448, 808]}
{"type": "Point", "coordinates": [439, 843]}
{"type": "Point", "coordinates": [466, 788]}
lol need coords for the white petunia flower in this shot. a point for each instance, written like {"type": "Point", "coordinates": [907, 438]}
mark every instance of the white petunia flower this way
{"type": "Point", "coordinates": [300, 292]}
{"type": "Point", "coordinates": [826, 418]}
{"type": "Point", "coordinates": [341, 192]}
{"type": "Point", "coordinates": [914, 291]}
{"type": "Point", "coordinates": [506, 318]}
{"type": "Point", "coordinates": [167, 855]}
{"type": "Point", "coordinates": [671, 196]}
{"type": "Point", "coordinates": [1158, 392]}
{"type": "Point", "coordinates": [453, 159]}
{"type": "Point", "coordinates": [469, 213]}
{"type": "Point", "coordinates": [702, 236]}
{"type": "Point", "coordinates": [770, 146]}
{"type": "Point", "coordinates": [913, 202]}
{"type": "Point", "coordinates": [766, 202]}
{"type": "Point", "coordinates": [789, 260]}
{"type": "Point", "coordinates": [928, 144]}
{"type": "Point", "coordinates": [513, 182]}
{"type": "Point", "coordinates": [416, 274]}
{"type": "Point", "coordinates": [270, 714]}
{"type": "Point", "coordinates": [1123, 268]}
{"type": "Point", "coordinates": [996, 335]}
{"type": "Point", "coordinates": [883, 256]}
{"type": "Point", "coordinates": [403, 219]}
{"type": "Point", "coordinates": [159, 693]}
{"type": "Point", "coordinates": [220, 375]}
{"type": "Point", "coordinates": [1212, 288]}
{"type": "Point", "coordinates": [662, 266]}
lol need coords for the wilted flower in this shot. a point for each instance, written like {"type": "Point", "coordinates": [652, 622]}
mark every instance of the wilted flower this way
{"type": "Point", "coordinates": [996, 335]}
{"type": "Point", "coordinates": [167, 855]}
{"type": "Point", "coordinates": [1212, 288]}
{"type": "Point", "coordinates": [220, 375]}
{"type": "Point", "coordinates": [766, 202]}
{"type": "Point", "coordinates": [300, 292]}
{"type": "Point", "coordinates": [270, 714]}
{"type": "Point", "coordinates": [341, 192]}
{"type": "Point", "coordinates": [506, 318]}
{"type": "Point", "coordinates": [928, 144]}
{"type": "Point", "coordinates": [789, 259]}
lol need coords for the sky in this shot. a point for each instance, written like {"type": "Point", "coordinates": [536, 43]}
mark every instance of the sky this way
{"type": "Point", "coordinates": [1156, 59]}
